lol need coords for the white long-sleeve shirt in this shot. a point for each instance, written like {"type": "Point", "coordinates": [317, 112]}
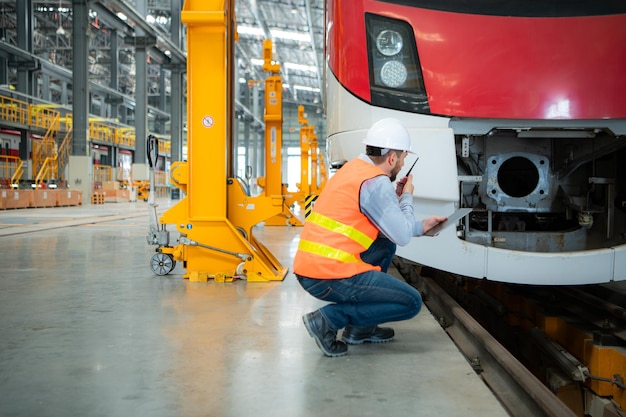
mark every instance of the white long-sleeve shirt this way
{"type": "Point", "coordinates": [393, 216]}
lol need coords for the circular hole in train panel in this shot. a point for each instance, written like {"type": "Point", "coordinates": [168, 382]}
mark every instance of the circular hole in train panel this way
{"type": "Point", "coordinates": [518, 176]}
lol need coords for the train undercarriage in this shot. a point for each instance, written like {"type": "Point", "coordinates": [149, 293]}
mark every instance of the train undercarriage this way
{"type": "Point", "coordinates": [544, 190]}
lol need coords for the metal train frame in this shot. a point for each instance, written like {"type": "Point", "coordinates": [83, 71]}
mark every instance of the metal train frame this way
{"type": "Point", "coordinates": [516, 109]}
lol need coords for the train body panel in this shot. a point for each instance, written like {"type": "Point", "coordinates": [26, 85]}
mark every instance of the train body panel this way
{"type": "Point", "coordinates": [619, 268]}
{"type": "Point", "coordinates": [9, 142]}
{"type": "Point", "coordinates": [486, 66]}
{"type": "Point", "coordinates": [521, 118]}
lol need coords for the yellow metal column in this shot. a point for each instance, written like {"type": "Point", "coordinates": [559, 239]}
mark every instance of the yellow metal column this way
{"type": "Point", "coordinates": [272, 183]}
{"type": "Point", "coordinates": [216, 217]}
{"type": "Point", "coordinates": [305, 147]}
{"type": "Point", "coordinates": [323, 171]}
{"type": "Point", "coordinates": [273, 123]}
{"type": "Point", "coordinates": [304, 186]}
{"type": "Point", "coordinates": [314, 165]}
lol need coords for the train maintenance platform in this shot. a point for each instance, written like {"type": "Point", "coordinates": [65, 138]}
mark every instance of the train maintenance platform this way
{"type": "Point", "coordinates": [89, 330]}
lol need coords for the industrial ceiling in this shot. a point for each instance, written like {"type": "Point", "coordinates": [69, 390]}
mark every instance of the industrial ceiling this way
{"type": "Point", "coordinates": [296, 28]}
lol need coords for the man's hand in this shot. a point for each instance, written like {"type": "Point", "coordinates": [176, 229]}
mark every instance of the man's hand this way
{"type": "Point", "coordinates": [405, 185]}
{"type": "Point", "coordinates": [432, 221]}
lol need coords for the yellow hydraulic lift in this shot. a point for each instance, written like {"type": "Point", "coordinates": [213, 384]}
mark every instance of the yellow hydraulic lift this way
{"type": "Point", "coordinates": [312, 165]}
{"type": "Point", "coordinates": [315, 189]}
{"type": "Point", "coordinates": [319, 174]}
{"type": "Point", "coordinates": [216, 217]}
{"type": "Point", "coordinates": [272, 182]}
{"type": "Point", "coordinates": [304, 187]}
{"type": "Point", "coordinates": [306, 131]}
{"type": "Point", "coordinates": [323, 172]}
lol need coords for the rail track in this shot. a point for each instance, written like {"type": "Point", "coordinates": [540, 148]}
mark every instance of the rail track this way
{"type": "Point", "coordinates": [543, 351]}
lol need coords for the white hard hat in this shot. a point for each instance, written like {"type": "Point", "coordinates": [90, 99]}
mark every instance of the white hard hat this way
{"type": "Point", "coordinates": [389, 133]}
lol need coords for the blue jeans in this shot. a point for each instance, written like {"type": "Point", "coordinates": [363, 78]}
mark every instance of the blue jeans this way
{"type": "Point", "coordinates": [369, 298]}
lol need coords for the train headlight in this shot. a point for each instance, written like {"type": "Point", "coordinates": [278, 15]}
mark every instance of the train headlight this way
{"type": "Point", "coordinates": [389, 42]}
{"type": "Point", "coordinates": [393, 74]}
{"type": "Point", "coordinates": [396, 79]}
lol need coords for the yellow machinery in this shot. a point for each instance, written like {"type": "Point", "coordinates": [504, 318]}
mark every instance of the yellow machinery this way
{"type": "Point", "coordinates": [272, 183]}
{"type": "Point", "coordinates": [312, 165]}
{"type": "Point", "coordinates": [318, 166]}
{"type": "Point", "coordinates": [216, 217]}
{"type": "Point", "coordinates": [143, 189]}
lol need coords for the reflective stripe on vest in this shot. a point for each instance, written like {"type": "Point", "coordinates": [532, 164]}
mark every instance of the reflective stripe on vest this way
{"type": "Point", "coordinates": [338, 227]}
{"type": "Point", "coordinates": [326, 251]}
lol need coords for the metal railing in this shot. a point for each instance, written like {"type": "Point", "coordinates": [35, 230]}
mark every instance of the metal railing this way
{"type": "Point", "coordinates": [49, 169]}
{"type": "Point", "coordinates": [48, 157]}
{"type": "Point", "coordinates": [102, 173]}
{"type": "Point", "coordinates": [11, 167]}
{"type": "Point", "coordinates": [34, 115]}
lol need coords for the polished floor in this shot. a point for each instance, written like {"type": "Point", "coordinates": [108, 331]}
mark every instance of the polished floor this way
{"type": "Point", "coordinates": [86, 330]}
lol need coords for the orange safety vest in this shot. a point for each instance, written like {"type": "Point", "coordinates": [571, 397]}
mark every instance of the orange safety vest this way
{"type": "Point", "coordinates": [336, 231]}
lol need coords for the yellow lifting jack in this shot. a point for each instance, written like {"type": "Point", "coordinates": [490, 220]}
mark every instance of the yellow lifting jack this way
{"type": "Point", "coordinates": [272, 182]}
{"type": "Point", "coordinates": [216, 216]}
{"type": "Point", "coordinates": [312, 166]}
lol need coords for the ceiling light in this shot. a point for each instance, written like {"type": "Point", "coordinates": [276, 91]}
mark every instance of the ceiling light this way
{"type": "Point", "coordinates": [288, 65]}
{"type": "Point", "coordinates": [306, 88]}
{"type": "Point", "coordinates": [300, 67]}
{"type": "Point", "coordinates": [276, 33]}
{"type": "Point", "coordinates": [294, 36]}
{"type": "Point", "coordinates": [249, 30]}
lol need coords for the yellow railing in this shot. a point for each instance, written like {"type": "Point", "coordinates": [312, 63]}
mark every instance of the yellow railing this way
{"type": "Point", "coordinates": [125, 136]}
{"type": "Point", "coordinates": [35, 115]}
{"type": "Point", "coordinates": [165, 146]}
{"type": "Point", "coordinates": [45, 117]}
{"type": "Point", "coordinates": [43, 150]}
{"type": "Point", "coordinates": [40, 115]}
{"type": "Point", "coordinates": [12, 110]}
{"type": "Point", "coordinates": [64, 150]}
{"type": "Point", "coordinates": [102, 173]}
{"type": "Point", "coordinates": [102, 132]}
{"type": "Point", "coordinates": [17, 175]}
{"type": "Point", "coordinates": [11, 167]}
{"type": "Point", "coordinates": [160, 178]}
{"type": "Point", "coordinates": [48, 150]}
{"type": "Point", "coordinates": [48, 170]}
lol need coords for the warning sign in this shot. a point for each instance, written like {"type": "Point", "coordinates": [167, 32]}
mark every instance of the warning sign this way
{"type": "Point", "coordinates": [207, 121]}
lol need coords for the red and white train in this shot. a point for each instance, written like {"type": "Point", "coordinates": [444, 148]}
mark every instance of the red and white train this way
{"type": "Point", "coordinates": [9, 142]}
{"type": "Point", "coordinates": [516, 109]}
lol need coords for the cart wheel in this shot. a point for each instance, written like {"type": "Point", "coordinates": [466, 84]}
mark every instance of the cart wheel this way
{"type": "Point", "coordinates": [241, 271]}
{"type": "Point", "coordinates": [162, 264]}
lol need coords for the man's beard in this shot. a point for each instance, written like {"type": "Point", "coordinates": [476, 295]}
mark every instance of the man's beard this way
{"type": "Point", "coordinates": [394, 173]}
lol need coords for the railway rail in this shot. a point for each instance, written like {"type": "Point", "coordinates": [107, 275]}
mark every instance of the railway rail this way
{"type": "Point", "coordinates": [517, 387]}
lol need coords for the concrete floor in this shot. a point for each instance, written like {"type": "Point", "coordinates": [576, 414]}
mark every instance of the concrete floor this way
{"type": "Point", "coordinates": [86, 329]}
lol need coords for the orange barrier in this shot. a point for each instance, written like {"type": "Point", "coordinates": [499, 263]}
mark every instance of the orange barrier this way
{"type": "Point", "coordinates": [15, 199]}
{"type": "Point", "coordinates": [44, 198]}
{"type": "Point", "coordinates": [69, 198]}
{"type": "Point", "coordinates": [97, 198]}
{"type": "Point", "coordinates": [116, 196]}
